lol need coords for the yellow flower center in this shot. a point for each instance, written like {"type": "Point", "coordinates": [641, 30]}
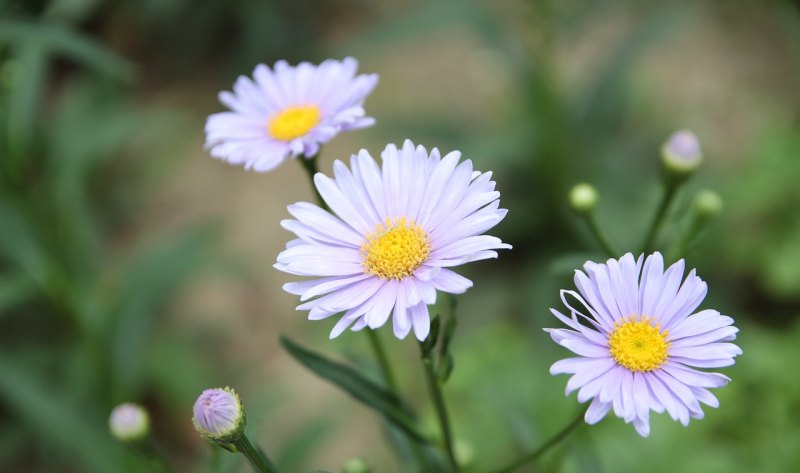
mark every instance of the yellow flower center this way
{"type": "Point", "coordinates": [395, 249]}
{"type": "Point", "coordinates": [293, 122]}
{"type": "Point", "coordinates": [637, 344]}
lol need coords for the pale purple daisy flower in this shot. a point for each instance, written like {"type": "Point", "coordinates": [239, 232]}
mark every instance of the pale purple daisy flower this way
{"type": "Point", "coordinates": [641, 341]}
{"type": "Point", "coordinates": [397, 229]}
{"type": "Point", "coordinates": [218, 414]}
{"type": "Point", "coordinates": [288, 111]}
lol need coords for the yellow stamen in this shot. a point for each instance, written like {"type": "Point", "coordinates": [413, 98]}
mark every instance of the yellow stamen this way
{"type": "Point", "coordinates": [293, 122]}
{"type": "Point", "coordinates": [395, 249]}
{"type": "Point", "coordinates": [637, 344]}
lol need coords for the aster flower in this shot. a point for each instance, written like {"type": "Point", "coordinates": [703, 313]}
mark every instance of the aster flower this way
{"type": "Point", "coordinates": [129, 422]}
{"type": "Point", "coordinates": [288, 111]}
{"type": "Point", "coordinates": [219, 415]}
{"type": "Point", "coordinates": [397, 229]}
{"type": "Point", "coordinates": [641, 341]}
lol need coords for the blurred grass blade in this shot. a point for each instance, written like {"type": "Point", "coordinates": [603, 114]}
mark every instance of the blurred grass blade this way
{"type": "Point", "coordinates": [30, 60]}
{"type": "Point", "coordinates": [53, 419]}
{"type": "Point", "coordinates": [18, 244]}
{"type": "Point", "coordinates": [356, 385]}
{"type": "Point", "coordinates": [15, 289]}
{"type": "Point", "coordinates": [59, 38]}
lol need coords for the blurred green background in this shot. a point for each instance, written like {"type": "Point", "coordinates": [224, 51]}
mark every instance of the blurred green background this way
{"type": "Point", "coordinates": [133, 267]}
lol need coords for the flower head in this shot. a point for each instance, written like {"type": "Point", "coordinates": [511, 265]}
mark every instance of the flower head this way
{"type": "Point", "coordinates": [288, 111]}
{"type": "Point", "coordinates": [397, 229]}
{"type": "Point", "coordinates": [219, 415]}
{"type": "Point", "coordinates": [129, 422]}
{"type": "Point", "coordinates": [641, 341]}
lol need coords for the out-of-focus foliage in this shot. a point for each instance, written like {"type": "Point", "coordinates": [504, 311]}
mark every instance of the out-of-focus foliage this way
{"type": "Point", "coordinates": [545, 94]}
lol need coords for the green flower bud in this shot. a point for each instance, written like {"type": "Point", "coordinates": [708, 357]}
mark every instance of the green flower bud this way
{"type": "Point", "coordinates": [681, 154]}
{"type": "Point", "coordinates": [355, 465]}
{"type": "Point", "coordinates": [707, 204]}
{"type": "Point", "coordinates": [583, 198]}
{"type": "Point", "coordinates": [219, 416]}
{"type": "Point", "coordinates": [129, 422]}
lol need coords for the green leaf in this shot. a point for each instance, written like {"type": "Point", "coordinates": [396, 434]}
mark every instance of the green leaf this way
{"type": "Point", "coordinates": [60, 38]}
{"type": "Point", "coordinates": [15, 289]}
{"type": "Point", "coordinates": [351, 381]}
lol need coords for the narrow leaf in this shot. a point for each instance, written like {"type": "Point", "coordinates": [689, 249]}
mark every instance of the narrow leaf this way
{"type": "Point", "coordinates": [350, 380]}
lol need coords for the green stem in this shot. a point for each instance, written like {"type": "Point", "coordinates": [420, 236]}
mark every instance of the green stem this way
{"type": "Point", "coordinates": [435, 390]}
{"type": "Point", "coordinates": [670, 190]}
{"type": "Point", "coordinates": [258, 460]}
{"type": "Point", "coordinates": [599, 235]}
{"type": "Point", "coordinates": [310, 166]}
{"type": "Point", "coordinates": [383, 361]}
{"type": "Point", "coordinates": [554, 440]}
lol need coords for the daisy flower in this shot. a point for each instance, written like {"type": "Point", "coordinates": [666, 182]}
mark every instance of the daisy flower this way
{"type": "Point", "coordinates": [287, 111]}
{"type": "Point", "coordinates": [394, 232]}
{"type": "Point", "coordinates": [641, 341]}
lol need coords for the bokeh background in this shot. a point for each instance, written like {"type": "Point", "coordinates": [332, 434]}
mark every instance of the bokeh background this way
{"type": "Point", "coordinates": [134, 267]}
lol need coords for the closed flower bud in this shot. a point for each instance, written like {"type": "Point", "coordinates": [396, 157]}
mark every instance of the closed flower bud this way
{"type": "Point", "coordinates": [129, 422]}
{"type": "Point", "coordinates": [707, 204]}
{"type": "Point", "coordinates": [355, 465]}
{"type": "Point", "coordinates": [583, 198]}
{"type": "Point", "coordinates": [681, 154]}
{"type": "Point", "coordinates": [219, 415]}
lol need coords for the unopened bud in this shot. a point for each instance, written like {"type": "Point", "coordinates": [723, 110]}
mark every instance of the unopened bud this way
{"type": "Point", "coordinates": [129, 422]}
{"type": "Point", "coordinates": [219, 415]}
{"type": "Point", "coordinates": [355, 465]}
{"type": "Point", "coordinates": [681, 154]}
{"type": "Point", "coordinates": [707, 204]}
{"type": "Point", "coordinates": [583, 198]}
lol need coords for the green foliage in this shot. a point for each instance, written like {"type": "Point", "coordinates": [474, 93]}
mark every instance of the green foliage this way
{"type": "Point", "coordinates": [354, 383]}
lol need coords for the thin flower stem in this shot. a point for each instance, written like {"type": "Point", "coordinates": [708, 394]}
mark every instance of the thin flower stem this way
{"type": "Point", "coordinates": [554, 440]}
{"type": "Point", "coordinates": [258, 460]}
{"type": "Point", "coordinates": [435, 390]}
{"type": "Point", "coordinates": [310, 166]}
{"type": "Point", "coordinates": [670, 190]}
{"type": "Point", "coordinates": [383, 361]}
{"type": "Point", "coordinates": [599, 235]}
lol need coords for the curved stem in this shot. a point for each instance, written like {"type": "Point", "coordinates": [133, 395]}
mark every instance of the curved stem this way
{"type": "Point", "coordinates": [310, 166]}
{"type": "Point", "coordinates": [670, 190]}
{"type": "Point", "coordinates": [258, 460]}
{"type": "Point", "coordinates": [554, 440]}
{"type": "Point", "coordinates": [600, 236]}
{"type": "Point", "coordinates": [435, 390]}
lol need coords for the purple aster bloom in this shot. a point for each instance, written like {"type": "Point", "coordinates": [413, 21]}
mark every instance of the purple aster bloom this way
{"type": "Point", "coordinates": [641, 341]}
{"type": "Point", "coordinates": [218, 414]}
{"type": "Point", "coordinates": [397, 229]}
{"type": "Point", "coordinates": [288, 111]}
